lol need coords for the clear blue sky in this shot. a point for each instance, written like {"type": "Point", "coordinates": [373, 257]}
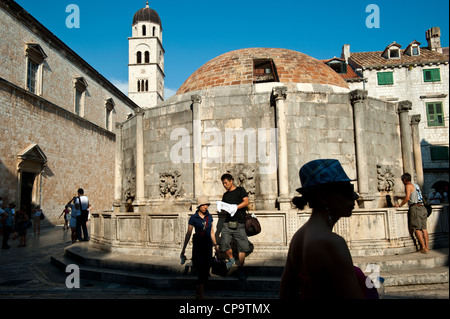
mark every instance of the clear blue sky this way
{"type": "Point", "coordinates": [197, 31]}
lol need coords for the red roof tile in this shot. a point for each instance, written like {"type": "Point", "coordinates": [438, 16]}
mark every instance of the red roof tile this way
{"type": "Point", "coordinates": [236, 67]}
{"type": "Point", "coordinates": [375, 58]}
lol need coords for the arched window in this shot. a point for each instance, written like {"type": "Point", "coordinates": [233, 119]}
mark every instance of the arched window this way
{"type": "Point", "coordinates": [146, 85]}
{"type": "Point", "coordinates": [144, 31]}
{"type": "Point", "coordinates": [139, 57]}
{"type": "Point", "coordinates": [139, 86]}
{"type": "Point", "coordinates": [154, 31]}
{"type": "Point", "coordinates": [147, 57]}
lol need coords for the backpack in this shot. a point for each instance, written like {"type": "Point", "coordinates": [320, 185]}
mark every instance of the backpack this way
{"type": "Point", "coordinates": [421, 199]}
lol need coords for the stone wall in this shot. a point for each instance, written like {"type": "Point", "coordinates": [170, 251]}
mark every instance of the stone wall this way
{"type": "Point", "coordinates": [59, 70]}
{"type": "Point", "coordinates": [238, 132]}
{"type": "Point", "coordinates": [79, 153]}
{"type": "Point", "coordinates": [367, 232]}
{"type": "Point", "coordinates": [75, 151]}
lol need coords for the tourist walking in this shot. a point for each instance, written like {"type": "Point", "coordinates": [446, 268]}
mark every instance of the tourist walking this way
{"type": "Point", "coordinates": [319, 264]}
{"type": "Point", "coordinates": [203, 241]}
{"type": "Point", "coordinates": [21, 224]}
{"type": "Point", "coordinates": [83, 201]}
{"type": "Point", "coordinates": [38, 216]}
{"type": "Point", "coordinates": [7, 218]}
{"type": "Point", "coordinates": [67, 217]}
{"type": "Point", "coordinates": [234, 225]}
{"type": "Point", "coordinates": [417, 212]}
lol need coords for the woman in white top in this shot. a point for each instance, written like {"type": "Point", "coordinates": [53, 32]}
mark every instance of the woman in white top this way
{"type": "Point", "coordinates": [75, 212]}
{"type": "Point", "coordinates": [37, 219]}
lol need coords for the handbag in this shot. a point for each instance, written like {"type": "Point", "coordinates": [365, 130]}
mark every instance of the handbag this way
{"type": "Point", "coordinates": [218, 266]}
{"type": "Point", "coordinates": [252, 225]}
{"type": "Point", "coordinates": [42, 217]}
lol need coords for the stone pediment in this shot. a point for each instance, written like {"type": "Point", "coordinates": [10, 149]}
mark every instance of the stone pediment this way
{"type": "Point", "coordinates": [32, 158]}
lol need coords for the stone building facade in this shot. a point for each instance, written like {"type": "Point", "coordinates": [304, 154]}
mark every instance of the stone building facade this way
{"type": "Point", "coordinates": [58, 114]}
{"type": "Point", "coordinates": [419, 74]}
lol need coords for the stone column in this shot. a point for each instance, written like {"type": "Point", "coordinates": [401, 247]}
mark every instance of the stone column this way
{"type": "Point", "coordinates": [140, 174]}
{"type": "Point", "coordinates": [415, 120]}
{"type": "Point", "coordinates": [118, 189]}
{"type": "Point", "coordinates": [405, 132]}
{"type": "Point", "coordinates": [279, 93]}
{"type": "Point", "coordinates": [197, 146]}
{"type": "Point", "coordinates": [358, 100]}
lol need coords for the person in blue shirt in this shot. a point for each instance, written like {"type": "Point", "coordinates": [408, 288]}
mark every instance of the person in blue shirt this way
{"type": "Point", "coordinates": [203, 241]}
{"type": "Point", "coordinates": [7, 217]}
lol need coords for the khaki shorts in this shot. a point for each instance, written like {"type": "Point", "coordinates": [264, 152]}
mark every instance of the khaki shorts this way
{"type": "Point", "coordinates": [417, 217]}
{"type": "Point", "coordinates": [238, 234]}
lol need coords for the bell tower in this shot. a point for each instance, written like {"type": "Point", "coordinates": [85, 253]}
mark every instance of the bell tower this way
{"type": "Point", "coordinates": [146, 59]}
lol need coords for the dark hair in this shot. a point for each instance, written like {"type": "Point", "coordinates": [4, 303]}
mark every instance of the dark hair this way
{"type": "Point", "coordinates": [226, 176]}
{"type": "Point", "coordinates": [300, 202]}
{"type": "Point", "coordinates": [406, 176]}
{"type": "Point", "coordinates": [80, 191]}
{"type": "Point", "coordinates": [312, 195]}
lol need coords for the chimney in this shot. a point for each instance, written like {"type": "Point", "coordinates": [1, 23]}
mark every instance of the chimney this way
{"type": "Point", "coordinates": [345, 52]}
{"type": "Point", "coordinates": [433, 36]}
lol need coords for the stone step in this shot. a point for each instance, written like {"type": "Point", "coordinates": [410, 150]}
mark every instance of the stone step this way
{"type": "Point", "coordinates": [416, 276]}
{"type": "Point", "coordinates": [263, 275]}
{"type": "Point", "coordinates": [84, 254]}
{"type": "Point", "coordinates": [435, 258]}
{"type": "Point", "coordinates": [267, 284]}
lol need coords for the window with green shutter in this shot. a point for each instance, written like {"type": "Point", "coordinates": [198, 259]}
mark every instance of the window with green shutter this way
{"type": "Point", "coordinates": [439, 153]}
{"type": "Point", "coordinates": [435, 114]}
{"type": "Point", "coordinates": [432, 75]}
{"type": "Point", "coordinates": [385, 78]}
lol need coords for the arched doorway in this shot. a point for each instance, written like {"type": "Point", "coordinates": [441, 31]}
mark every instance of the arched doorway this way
{"type": "Point", "coordinates": [30, 164]}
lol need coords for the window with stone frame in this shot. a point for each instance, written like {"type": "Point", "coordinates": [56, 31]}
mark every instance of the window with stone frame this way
{"type": "Point", "coordinates": [432, 75]}
{"type": "Point", "coordinates": [435, 114]}
{"type": "Point", "coordinates": [80, 86]}
{"type": "Point", "coordinates": [394, 53]}
{"type": "Point", "coordinates": [32, 73]}
{"type": "Point", "coordinates": [264, 71]}
{"type": "Point", "coordinates": [109, 110]}
{"type": "Point", "coordinates": [338, 66]}
{"type": "Point", "coordinates": [139, 57]}
{"type": "Point", "coordinates": [35, 56]}
{"type": "Point", "coordinates": [385, 78]}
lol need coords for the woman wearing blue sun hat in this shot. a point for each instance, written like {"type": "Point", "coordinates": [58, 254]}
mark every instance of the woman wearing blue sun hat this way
{"type": "Point", "coordinates": [319, 264]}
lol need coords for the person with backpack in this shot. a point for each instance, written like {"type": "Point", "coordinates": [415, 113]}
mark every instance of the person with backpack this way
{"type": "Point", "coordinates": [417, 213]}
{"type": "Point", "coordinates": [83, 201]}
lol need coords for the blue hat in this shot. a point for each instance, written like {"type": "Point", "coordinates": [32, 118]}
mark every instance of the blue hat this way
{"type": "Point", "coordinates": [322, 171]}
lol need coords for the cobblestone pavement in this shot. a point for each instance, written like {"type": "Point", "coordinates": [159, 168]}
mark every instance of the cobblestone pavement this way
{"type": "Point", "coordinates": [26, 273]}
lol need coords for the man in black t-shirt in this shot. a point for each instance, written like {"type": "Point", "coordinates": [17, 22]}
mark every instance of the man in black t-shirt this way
{"type": "Point", "coordinates": [234, 226]}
